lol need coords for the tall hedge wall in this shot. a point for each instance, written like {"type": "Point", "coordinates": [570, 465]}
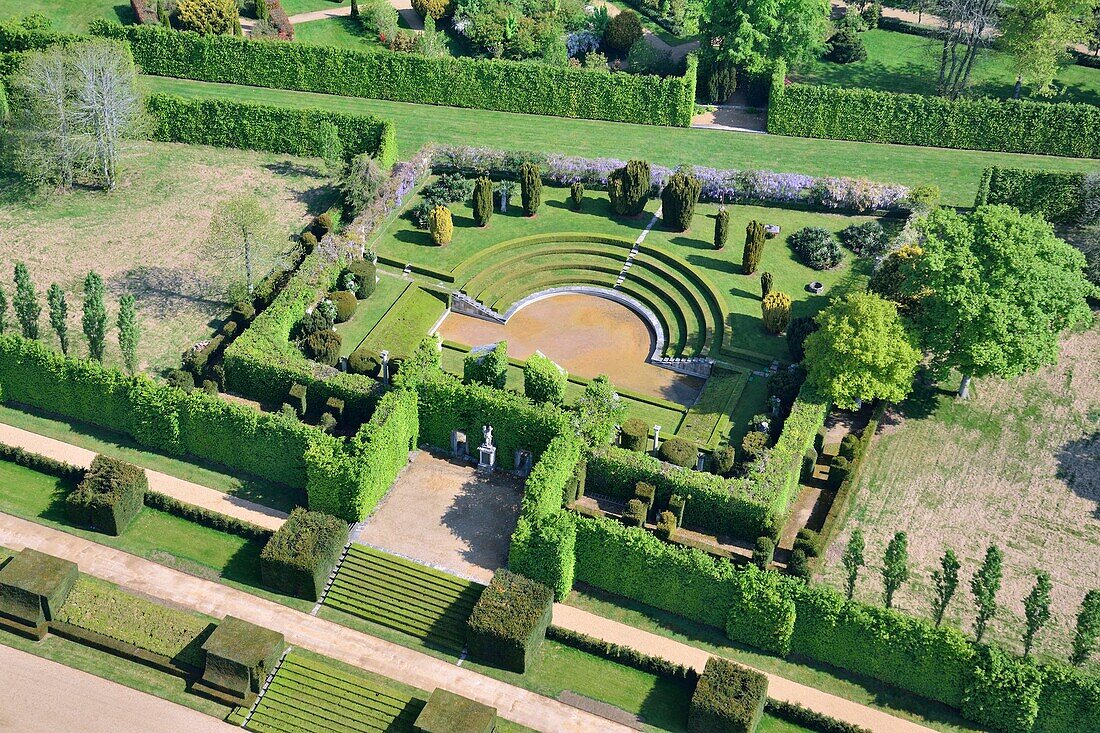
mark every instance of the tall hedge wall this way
{"type": "Point", "coordinates": [155, 415]}
{"type": "Point", "coordinates": [1068, 702]}
{"type": "Point", "coordinates": [1057, 195]}
{"type": "Point", "coordinates": [544, 549]}
{"type": "Point", "coordinates": [544, 492]}
{"type": "Point", "coordinates": [265, 127]}
{"type": "Point", "coordinates": [349, 482]}
{"type": "Point", "coordinates": [446, 405]}
{"type": "Point", "coordinates": [841, 113]}
{"type": "Point", "coordinates": [507, 86]}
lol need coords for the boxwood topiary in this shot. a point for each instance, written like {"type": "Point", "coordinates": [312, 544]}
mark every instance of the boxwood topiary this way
{"type": "Point", "coordinates": [345, 303]}
{"type": "Point", "coordinates": [365, 361]}
{"type": "Point", "coordinates": [679, 452]}
{"type": "Point", "coordinates": [634, 434]}
{"type": "Point", "coordinates": [298, 558]}
{"type": "Point", "coordinates": [323, 347]}
{"type": "Point", "coordinates": [365, 273]}
{"type": "Point", "coordinates": [110, 496]}
{"type": "Point", "coordinates": [508, 623]}
{"type": "Point", "coordinates": [728, 698]}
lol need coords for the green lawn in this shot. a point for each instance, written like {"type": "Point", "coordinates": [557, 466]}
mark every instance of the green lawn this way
{"type": "Point", "coordinates": [294, 7]}
{"type": "Point", "coordinates": [900, 62]}
{"type": "Point", "coordinates": [71, 16]}
{"type": "Point", "coordinates": [370, 312]}
{"type": "Point", "coordinates": [822, 677]}
{"type": "Point", "coordinates": [344, 32]}
{"type": "Point", "coordinates": [116, 445]}
{"type": "Point", "coordinates": [407, 323]}
{"type": "Point", "coordinates": [956, 172]}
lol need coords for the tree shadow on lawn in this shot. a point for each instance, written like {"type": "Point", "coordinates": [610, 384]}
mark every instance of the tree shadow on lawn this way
{"type": "Point", "coordinates": [666, 704]}
{"type": "Point", "coordinates": [161, 291]}
{"type": "Point", "coordinates": [415, 236]}
{"type": "Point", "coordinates": [601, 209]}
{"type": "Point", "coordinates": [1079, 467]}
{"type": "Point", "coordinates": [244, 566]}
{"type": "Point", "coordinates": [719, 264]}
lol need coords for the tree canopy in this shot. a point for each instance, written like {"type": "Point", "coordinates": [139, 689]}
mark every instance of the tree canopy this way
{"type": "Point", "coordinates": [995, 288]}
{"type": "Point", "coordinates": [861, 351]}
{"type": "Point", "coordinates": [751, 32]}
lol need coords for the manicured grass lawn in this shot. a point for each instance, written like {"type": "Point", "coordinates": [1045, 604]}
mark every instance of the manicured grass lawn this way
{"type": "Point", "coordinates": [294, 7]}
{"type": "Point", "coordinates": [343, 32]}
{"type": "Point", "coordinates": [71, 16]}
{"type": "Point", "coordinates": [370, 312]}
{"type": "Point", "coordinates": [148, 238]}
{"type": "Point", "coordinates": [900, 62]}
{"type": "Point", "coordinates": [828, 679]}
{"type": "Point", "coordinates": [956, 172]}
{"type": "Point", "coordinates": [119, 446]}
{"type": "Point", "coordinates": [407, 323]}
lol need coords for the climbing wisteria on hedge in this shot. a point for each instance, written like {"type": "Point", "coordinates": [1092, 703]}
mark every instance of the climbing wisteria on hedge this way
{"type": "Point", "coordinates": [719, 186]}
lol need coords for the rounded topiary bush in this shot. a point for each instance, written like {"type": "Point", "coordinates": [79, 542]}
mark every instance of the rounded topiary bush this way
{"type": "Point", "coordinates": [345, 303]}
{"type": "Point", "coordinates": [323, 346]}
{"type": "Point", "coordinates": [623, 31]}
{"type": "Point", "coordinates": [723, 459]}
{"type": "Point", "coordinates": [754, 444]}
{"type": "Point", "coordinates": [365, 361]}
{"type": "Point", "coordinates": [816, 247]}
{"type": "Point", "coordinates": [365, 274]}
{"type": "Point", "coordinates": [435, 8]}
{"type": "Point", "coordinates": [440, 225]}
{"type": "Point", "coordinates": [846, 47]}
{"type": "Point", "coordinates": [679, 452]}
{"type": "Point", "coordinates": [634, 434]}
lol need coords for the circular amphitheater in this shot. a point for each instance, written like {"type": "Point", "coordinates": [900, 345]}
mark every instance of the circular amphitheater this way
{"type": "Point", "coordinates": [686, 306]}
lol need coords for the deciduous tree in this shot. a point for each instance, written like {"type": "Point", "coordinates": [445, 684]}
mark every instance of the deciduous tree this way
{"type": "Point", "coordinates": [995, 289]}
{"type": "Point", "coordinates": [27, 308]}
{"type": "Point", "coordinates": [59, 315]}
{"type": "Point", "coordinates": [967, 26]}
{"type": "Point", "coordinates": [861, 351]}
{"type": "Point", "coordinates": [1037, 33]}
{"type": "Point", "coordinates": [244, 240]}
{"type": "Point", "coordinates": [853, 560]}
{"type": "Point", "coordinates": [598, 411]}
{"type": "Point", "coordinates": [94, 318]}
{"type": "Point", "coordinates": [945, 581]}
{"type": "Point", "coordinates": [984, 586]}
{"type": "Point", "coordinates": [1036, 609]}
{"type": "Point", "coordinates": [895, 567]}
{"type": "Point", "coordinates": [128, 332]}
{"type": "Point", "coordinates": [749, 33]}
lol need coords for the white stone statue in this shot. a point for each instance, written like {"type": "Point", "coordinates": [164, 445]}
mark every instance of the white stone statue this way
{"type": "Point", "coordinates": [487, 433]}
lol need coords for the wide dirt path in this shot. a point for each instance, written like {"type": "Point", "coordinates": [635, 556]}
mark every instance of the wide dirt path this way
{"type": "Point", "coordinates": [40, 696]}
{"type": "Point", "coordinates": [778, 687]}
{"type": "Point", "coordinates": [184, 491]}
{"type": "Point", "coordinates": [303, 630]}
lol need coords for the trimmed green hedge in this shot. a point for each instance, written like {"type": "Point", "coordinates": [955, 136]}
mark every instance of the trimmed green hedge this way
{"type": "Point", "coordinates": [508, 624]}
{"type": "Point", "coordinates": [1057, 195]}
{"type": "Point", "coordinates": [205, 517]}
{"type": "Point", "coordinates": [623, 655]}
{"type": "Point", "coordinates": [729, 698]}
{"type": "Point", "coordinates": [762, 613]}
{"type": "Point", "coordinates": [348, 482]}
{"type": "Point", "coordinates": [266, 127]}
{"type": "Point", "coordinates": [110, 496]}
{"type": "Point", "coordinates": [39, 463]}
{"type": "Point", "coordinates": [544, 549]}
{"type": "Point", "coordinates": [1069, 701]}
{"type": "Point", "coordinates": [842, 113]}
{"type": "Point", "coordinates": [298, 558]}
{"type": "Point", "coordinates": [508, 86]}
{"type": "Point", "coordinates": [1003, 692]}
{"type": "Point", "coordinates": [545, 489]}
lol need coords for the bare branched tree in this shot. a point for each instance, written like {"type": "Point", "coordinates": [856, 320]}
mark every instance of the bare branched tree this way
{"type": "Point", "coordinates": [245, 241]}
{"type": "Point", "coordinates": [968, 25]}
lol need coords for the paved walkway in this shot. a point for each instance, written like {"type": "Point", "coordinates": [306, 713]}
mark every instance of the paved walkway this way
{"type": "Point", "coordinates": [404, 9]}
{"type": "Point", "coordinates": [302, 630]}
{"type": "Point", "coordinates": [41, 696]}
{"type": "Point", "coordinates": [778, 687]}
{"type": "Point", "coordinates": [184, 491]}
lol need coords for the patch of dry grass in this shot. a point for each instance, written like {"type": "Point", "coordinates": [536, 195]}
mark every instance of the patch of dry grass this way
{"type": "Point", "coordinates": [147, 238]}
{"type": "Point", "coordinates": [1018, 465]}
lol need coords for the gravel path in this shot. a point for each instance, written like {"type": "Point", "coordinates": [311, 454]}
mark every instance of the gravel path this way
{"type": "Point", "coordinates": [40, 696]}
{"type": "Point", "coordinates": [302, 630]}
{"type": "Point", "coordinates": [162, 483]}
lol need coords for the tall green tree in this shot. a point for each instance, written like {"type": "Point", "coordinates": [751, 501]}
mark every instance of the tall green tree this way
{"type": "Point", "coordinates": [750, 33]}
{"type": "Point", "coordinates": [27, 308]}
{"type": "Point", "coordinates": [128, 332]}
{"type": "Point", "coordinates": [59, 315]}
{"type": "Point", "coordinates": [1037, 33]}
{"type": "Point", "coordinates": [995, 289]}
{"type": "Point", "coordinates": [861, 351]}
{"type": "Point", "coordinates": [895, 567]}
{"type": "Point", "coordinates": [984, 586]}
{"type": "Point", "coordinates": [853, 560]}
{"type": "Point", "coordinates": [94, 318]}
{"type": "Point", "coordinates": [1088, 628]}
{"type": "Point", "coordinates": [945, 581]}
{"type": "Point", "coordinates": [598, 410]}
{"type": "Point", "coordinates": [1036, 609]}
{"type": "Point", "coordinates": [244, 240]}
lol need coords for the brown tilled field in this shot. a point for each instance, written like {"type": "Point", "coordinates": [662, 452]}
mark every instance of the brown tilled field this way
{"type": "Point", "coordinates": [147, 237]}
{"type": "Point", "coordinates": [1018, 465]}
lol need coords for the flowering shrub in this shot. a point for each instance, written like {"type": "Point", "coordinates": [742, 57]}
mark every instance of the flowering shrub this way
{"type": "Point", "coordinates": [719, 185]}
{"type": "Point", "coordinates": [582, 42]}
{"type": "Point", "coordinates": [816, 247]}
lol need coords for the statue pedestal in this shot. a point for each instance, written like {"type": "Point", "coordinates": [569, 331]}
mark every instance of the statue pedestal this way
{"type": "Point", "coordinates": [487, 458]}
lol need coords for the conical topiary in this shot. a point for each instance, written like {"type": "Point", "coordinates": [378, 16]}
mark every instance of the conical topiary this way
{"type": "Point", "coordinates": [754, 247]}
{"type": "Point", "coordinates": [530, 188]}
{"type": "Point", "coordinates": [440, 225]}
{"type": "Point", "coordinates": [721, 229]}
{"type": "Point", "coordinates": [628, 188]}
{"type": "Point", "coordinates": [765, 284]}
{"type": "Point", "coordinates": [576, 195]}
{"type": "Point", "coordinates": [776, 311]}
{"type": "Point", "coordinates": [483, 201]}
{"type": "Point", "coordinates": [678, 200]}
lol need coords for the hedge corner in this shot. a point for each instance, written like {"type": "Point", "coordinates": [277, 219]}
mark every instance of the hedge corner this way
{"type": "Point", "coordinates": [447, 712]}
{"type": "Point", "coordinates": [299, 557]}
{"type": "Point", "coordinates": [728, 698]}
{"type": "Point", "coordinates": [508, 624]}
{"type": "Point", "coordinates": [33, 586]}
{"type": "Point", "coordinates": [110, 496]}
{"type": "Point", "coordinates": [239, 656]}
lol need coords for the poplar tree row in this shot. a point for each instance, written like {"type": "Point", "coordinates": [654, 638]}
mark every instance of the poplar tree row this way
{"type": "Point", "coordinates": [28, 314]}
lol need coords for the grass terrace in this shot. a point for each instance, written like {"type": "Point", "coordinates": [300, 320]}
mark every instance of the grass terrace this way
{"type": "Point", "coordinates": [71, 16]}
